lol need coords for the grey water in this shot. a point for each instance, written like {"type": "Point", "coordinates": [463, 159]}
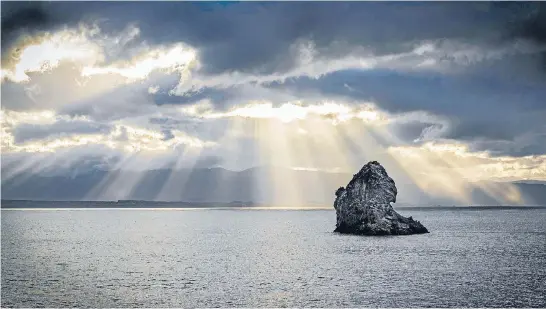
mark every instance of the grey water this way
{"type": "Point", "coordinates": [269, 258]}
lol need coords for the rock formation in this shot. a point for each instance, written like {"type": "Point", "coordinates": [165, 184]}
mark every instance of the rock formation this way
{"type": "Point", "coordinates": [364, 208]}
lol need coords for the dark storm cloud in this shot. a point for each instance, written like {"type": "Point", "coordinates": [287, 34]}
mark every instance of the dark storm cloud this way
{"type": "Point", "coordinates": [28, 17]}
{"type": "Point", "coordinates": [258, 37]}
{"type": "Point", "coordinates": [23, 16]}
{"type": "Point", "coordinates": [477, 108]}
{"type": "Point", "coordinates": [533, 26]}
{"type": "Point", "coordinates": [28, 132]}
{"type": "Point", "coordinates": [439, 93]}
{"type": "Point", "coordinates": [530, 144]}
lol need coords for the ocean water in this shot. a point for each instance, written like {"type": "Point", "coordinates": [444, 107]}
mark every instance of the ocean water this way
{"type": "Point", "coordinates": [269, 258]}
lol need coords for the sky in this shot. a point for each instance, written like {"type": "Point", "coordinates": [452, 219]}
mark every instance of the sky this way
{"type": "Point", "coordinates": [445, 93]}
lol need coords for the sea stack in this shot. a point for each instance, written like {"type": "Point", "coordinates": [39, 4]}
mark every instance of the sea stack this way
{"type": "Point", "coordinates": [363, 207]}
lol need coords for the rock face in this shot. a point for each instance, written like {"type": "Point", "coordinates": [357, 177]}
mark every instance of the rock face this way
{"type": "Point", "coordinates": [364, 208]}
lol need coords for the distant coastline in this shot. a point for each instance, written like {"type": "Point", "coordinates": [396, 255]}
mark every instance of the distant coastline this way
{"type": "Point", "coordinates": [143, 204]}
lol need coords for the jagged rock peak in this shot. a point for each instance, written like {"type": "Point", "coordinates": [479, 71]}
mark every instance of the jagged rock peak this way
{"type": "Point", "coordinates": [363, 206]}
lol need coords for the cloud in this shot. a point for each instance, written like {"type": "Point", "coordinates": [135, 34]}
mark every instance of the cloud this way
{"type": "Point", "coordinates": [47, 132]}
{"type": "Point", "coordinates": [153, 89]}
{"type": "Point", "coordinates": [420, 126]}
{"type": "Point", "coordinates": [27, 132]}
{"type": "Point", "coordinates": [293, 111]}
{"type": "Point", "coordinates": [436, 56]}
{"type": "Point", "coordinates": [94, 52]}
{"type": "Point", "coordinates": [46, 51]}
{"type": "Point", "coordinates": [310, 39]}
{"type": "Point", "coordinates": [31, 15]}
{"type": "Point", "coordinates": [273, 29]}
{"type": "Point", "coordinates": [178, 58]}
{"type": "Point", "coordinates": [272, 83]}
{"type": "Point", "coordinates": [457, 158]}
{"type": "Point", "coordinates": [533, 27]}
{"type": "Point", "coordinates": [476, 108]}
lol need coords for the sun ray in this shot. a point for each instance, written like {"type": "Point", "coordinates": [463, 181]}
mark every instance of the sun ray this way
{"type": "Point", "coordinates": [434, 179]}
{"type": "Point", "coordinates": [232, 140]}
{"type": "Point", "coordinates": [274, 147]}
{"type": "Point", "coordinates": [438, 175]}
{"type": "Point", "coordinates": [358, 136]}
{"type": "Point", "coordinates": [312, 185]}
{"type": "Point", "coordinates": [174, 187]}
{"type": "Point", "coordinates": [326, 137]}
{"type": "Point", "coordinates": [28, 164]}
{"type": "Point", "coordinates": [500, 192]}
{"type": "Point", "coordinates": [179, 174]}
{"type": "Point", "coordinates": [117, 183]}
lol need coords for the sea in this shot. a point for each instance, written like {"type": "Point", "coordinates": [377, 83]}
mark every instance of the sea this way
{"type": "Point", "coordinates": [472, 257]}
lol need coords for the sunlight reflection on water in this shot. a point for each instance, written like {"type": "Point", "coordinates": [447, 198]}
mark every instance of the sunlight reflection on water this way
{"type": "Point", "coordinates": [230, 258]}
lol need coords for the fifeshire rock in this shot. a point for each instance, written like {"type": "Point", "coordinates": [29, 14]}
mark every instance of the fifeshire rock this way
{"type": "Point", "coordinates": [363, 207]}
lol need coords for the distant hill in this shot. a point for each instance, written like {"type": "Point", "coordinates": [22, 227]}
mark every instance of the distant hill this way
{"type": "Point", "coordinates": [535, 182]}
{"type": "Point", "coordinates": [218, 185]}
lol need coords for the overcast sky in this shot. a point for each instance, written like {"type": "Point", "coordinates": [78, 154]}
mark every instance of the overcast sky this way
{"type": "Point", "coordinates": [438, 88]}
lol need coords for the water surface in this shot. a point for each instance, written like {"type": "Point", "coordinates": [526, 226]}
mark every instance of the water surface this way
{"type": "Point", "coordinates": [258, 258]}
